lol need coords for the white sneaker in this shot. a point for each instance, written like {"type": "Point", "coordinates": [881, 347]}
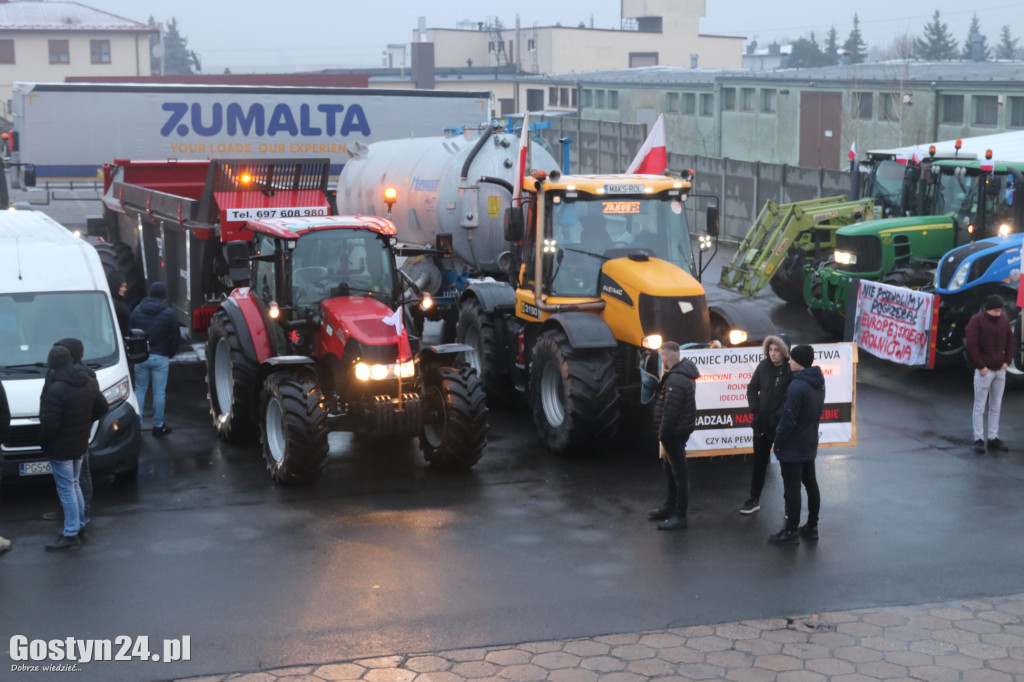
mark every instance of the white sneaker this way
{"type": "Point", "coordinates": [5, 545]}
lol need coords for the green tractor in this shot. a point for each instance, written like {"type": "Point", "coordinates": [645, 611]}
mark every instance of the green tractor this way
{"type": "Point", "coordinates": [904, 251]}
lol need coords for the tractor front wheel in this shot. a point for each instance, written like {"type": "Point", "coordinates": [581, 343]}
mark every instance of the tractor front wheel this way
{"type": "Point", "coordinates": [230, 382]}
{"type": "Point", "coordinates": [293, 427]}
{"type": "Point", "coordinates": [455, 417]}
{"type": "Point", "coordinates": [573, 395]}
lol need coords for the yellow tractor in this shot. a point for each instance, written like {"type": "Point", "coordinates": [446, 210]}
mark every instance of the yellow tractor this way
{"type": "Point", "coordinates": [601, 271]}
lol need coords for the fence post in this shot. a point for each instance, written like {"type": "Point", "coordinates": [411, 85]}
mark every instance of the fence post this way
{"type": "Point", "coordinates": [723, 214]}
{"type": "Point", "coordinates": [782, 184]}
{"type": "Point", "coordinates": [821, 182]}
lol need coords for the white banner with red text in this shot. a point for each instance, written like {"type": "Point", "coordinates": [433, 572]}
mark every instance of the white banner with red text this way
{"type": "Point", "coordinates": [896, 323]}
{"type": "Point", "coordinates": [724, 421]}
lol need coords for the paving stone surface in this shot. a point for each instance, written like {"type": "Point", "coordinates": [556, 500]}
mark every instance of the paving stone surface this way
{"type": "Point", "coordinates": [979, 640]}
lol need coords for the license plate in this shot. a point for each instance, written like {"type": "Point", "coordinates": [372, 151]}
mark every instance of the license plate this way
{"type": "Point", "coordinates": [623, 189]}
{"type": "Point", "coordinates": [35, 468]}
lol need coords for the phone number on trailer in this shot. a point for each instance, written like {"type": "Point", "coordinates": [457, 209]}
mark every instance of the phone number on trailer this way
{"type": "Point", "coordinates": [254, 213]}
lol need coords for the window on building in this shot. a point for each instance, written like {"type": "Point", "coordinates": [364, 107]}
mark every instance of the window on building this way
{"type": "Point", "coordinates": [588, 97]}
{"type": "Point", "coordinates": [672, 104]}
{"type": "Point", "coordinates": [747, 99]}
{"type": "Point", "coordinates": [6, 51]}
{"type": "Point", "coordinates": [951, 109]}
{"type": "Point", "coordinates": [553, 97]}
{"type": "Point", "coordinates": [707, 104]}
{"type": "Point", "coordinates": [531, 45]}
{"type": "Point", "coordinates": [599, 99]}
{"type": "Point", "coordinates": [862, 105]}
{"type": "Point", "coordinates": [99, 51]}
{"type": "Point", "coordinates": [986, 110]}
{"type": "Point", "coordinates": [728, 99]}
{"type": "Point", "coordinates": [638, 59]}
{"type": "Point", "coordinates": [574, 93]}
{"type": "Point", "coordinates": [59, 52]}
{"type": "Point", "coordinates": [890, 102]}
{"type": "Point", "coordinates": [768, 96]}
{"type": "Point", "coordinates": [1016, 110]}
{"type": "Point", "coordinates": [689, 103]}
{"type": "Point", "coordinates": [613, 99]}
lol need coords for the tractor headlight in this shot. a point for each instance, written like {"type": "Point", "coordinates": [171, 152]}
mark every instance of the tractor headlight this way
{"type": "Point", "coordinates": [737, 336]}
{"type": "Point", "coordinates": [117, 392]}
{"type": "Point", "coordinates": [406, 369]}
{"type": "Point", "coordinates": [960, 277]}
{"type": "Point", "coordinates": [402, 370]}
{"type": "Point", "coordinates": [427, 303]}
{"type": "Point", "coordinates": [363, 372]}
{"type": "Point", "coordinates": [652, 342]}
{"type": "Point", "coordinates": [845, 258]}
{"type": "Point", "coordinates": [1004, 230]}
{"type": "Point", "coordinates": [378, 372]}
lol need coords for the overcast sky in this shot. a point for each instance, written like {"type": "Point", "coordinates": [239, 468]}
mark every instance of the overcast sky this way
{"type": "Point", "coordinates": [303, 34]}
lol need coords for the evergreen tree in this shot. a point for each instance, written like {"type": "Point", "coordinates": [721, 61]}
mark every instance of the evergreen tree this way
{"type": "Point", "coordinates": [154, 40]}
{"type": "Point", "coordinates": [1007, 48]}
{"type": "Point", "coordinates": [975, 29]}
{"type": "Point", "coordinates": [806, 53]}
{"type": "Point", "coordinates": [831, 50]}
{"type": "Point", "coordinates": [937, 43]}
{"type": "Point", "coordinates": [177, 60]}
{"type": "Point", "coordinates": [855, 45]}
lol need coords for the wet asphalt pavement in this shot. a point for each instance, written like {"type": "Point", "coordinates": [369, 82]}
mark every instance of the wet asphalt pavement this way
{"type": "Point", "coordinates": [384, 556]}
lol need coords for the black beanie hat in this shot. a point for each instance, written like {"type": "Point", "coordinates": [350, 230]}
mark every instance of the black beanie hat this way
{"type": "Point", "coordinates": [158, 290]}
{"type": "Point", "coordinates": [74, 347]}
{"type": "Point", "coordinates": [994, 302]}
{"type": "Point", "coordinates": [58, 357]}
{"type": "Point", "coordinates": [803, 355]}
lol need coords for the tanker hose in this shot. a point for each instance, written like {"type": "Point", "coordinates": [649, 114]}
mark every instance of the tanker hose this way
{"type": "Point", "coordinates": [476, 148]}
{"type": "Point", "coordinates": [476, 261]}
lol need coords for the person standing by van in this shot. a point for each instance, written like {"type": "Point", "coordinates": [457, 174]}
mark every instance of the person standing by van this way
{"type": "Point", "coordinates": [67, 410]}
{"type": "Point", "coordinates": [5, 426]}
{"type": "Point", "coordinates": [765, 394]}
{"type": "Point", "coordinates": [158, 321]}
{"type": "Point", "coordinates": [118, 289]}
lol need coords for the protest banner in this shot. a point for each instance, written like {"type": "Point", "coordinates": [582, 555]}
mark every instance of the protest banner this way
{"type": "Point", "coordinates": [896, 323]}
{"type": "Point", "coordinates": [723, 418]}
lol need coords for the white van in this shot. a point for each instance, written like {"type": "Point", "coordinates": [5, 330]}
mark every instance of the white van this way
{"type": "Point", "coordinates": [52, 286]}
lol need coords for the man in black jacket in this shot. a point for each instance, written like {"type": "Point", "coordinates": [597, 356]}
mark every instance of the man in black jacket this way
{"type": "Point", "coordinates": [5, 426]}
{"type": "Point", "coordinates": [67, 409]}
{"type": "Point", "coordinates": [796, 445]}
{"type": "Point", "coordinates": [155, 317]}
{"type": "Point", "coordinates": [675, 416]}
{"type": "Point", "coordinates": [765, 395]}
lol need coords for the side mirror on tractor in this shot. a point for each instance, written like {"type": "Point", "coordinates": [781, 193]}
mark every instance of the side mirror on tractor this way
{"type": "Point", "coordinates": [712, 221]}
{"type": "Point", "coordinates": [236, 254]}
{"type": "Point", "coordinates": [514, 224]}
{"type": "Point", "coordinates": [136, 346]}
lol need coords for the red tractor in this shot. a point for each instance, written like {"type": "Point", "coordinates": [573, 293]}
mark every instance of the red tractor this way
{"type": "Point", "coordinates": [318, 342]}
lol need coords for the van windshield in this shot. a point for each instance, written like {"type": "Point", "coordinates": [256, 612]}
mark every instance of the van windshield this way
{"type": "Point", "coordinates": [30, 323]}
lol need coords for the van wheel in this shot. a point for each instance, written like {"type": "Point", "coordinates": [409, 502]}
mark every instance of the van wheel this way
{"type": "Point", "coordinates": [573, 395]}
{"type": "Point", "coordinates": [230, 382]}
{"type": "Point", "coordinates": [118, 258]}
{"type": "Point", "coordinates": [293, 428]}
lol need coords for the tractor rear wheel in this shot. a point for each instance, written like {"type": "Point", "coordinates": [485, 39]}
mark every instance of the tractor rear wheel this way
{"type": "Point", "coordinates": [293, 427]}
{"type": "Point", "coordinates": [118, 257]}
{"type": "Point", "coordinates": [476, 329]}
{"type": "Point", "coordinates": [788, 280]}
{"type": "Point", "coordinates": [454, 417]}
{"type": "Point", "coordinates": [230, 382]}
{"type": "Point", "coordinates": [573, 394]}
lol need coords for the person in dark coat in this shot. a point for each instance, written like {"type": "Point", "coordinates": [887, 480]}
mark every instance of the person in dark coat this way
{"type": "Point", "coordinates": [989, 340]}
{"type": "Point", "coordinates": [5, 427]}
{"type": "Point", "coordinates": [675, 416]}
{"type": "Point", "coordinates": [158, 321]}
{"type": "Point", "coordinates": [796, 445]}
{"type": "Point", "coordinates": [765, 394]}
{"type": "Point", "coordinates": [77, 351]}
{"type": "Point", "coordinates": [118, 288]}
{"type": "Point", "coordinates": [67, 409]}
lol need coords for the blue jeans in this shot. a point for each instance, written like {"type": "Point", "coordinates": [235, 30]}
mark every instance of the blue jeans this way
{"type": "Point", "coordinates": [65, 475]}
{"type": "Point", "coordinates": [157, 367]}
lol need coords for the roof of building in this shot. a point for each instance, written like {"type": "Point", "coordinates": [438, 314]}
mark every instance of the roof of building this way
{"type": "Point", "coordinates": [33, 15]}
{"type": "Point", "coordinates": [966, 72]}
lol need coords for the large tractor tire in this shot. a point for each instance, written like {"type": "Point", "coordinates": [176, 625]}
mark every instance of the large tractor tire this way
{"type": "Point", "coordinates": [230, 382]}
{"type": "Point", "coordinates": [293, 427]}
{"type": "Point", "coordinates": [573, 395]}
{"type": "Point", "coordinates": [788, 280]}
{"type": "Point", "coordinates": [454, 417]}
{"type": "Point", "coordinates": [117, 257]}
{"type": "Point", "coordinates": [476, 329]}
{"type": "Point", "coordinates": [832, 322]}
{"type": "Point", "coordinates": [1015, 372]}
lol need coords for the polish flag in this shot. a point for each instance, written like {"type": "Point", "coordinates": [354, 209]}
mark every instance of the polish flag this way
{"type": "Point", "coordinates": [524, 149]}
{"type": "Point", "coordinates": [852, 154]}
{"type": "Point", "coordinates": [902, 159]}
{"type": "Point", "coordinates": [988, 165]}
{"type": "Point", "coordinates": [395, 320]}
{"type": "Point", "coordinates": [652, 158]}
{"type": "Point", "coordinates": [916, 158]}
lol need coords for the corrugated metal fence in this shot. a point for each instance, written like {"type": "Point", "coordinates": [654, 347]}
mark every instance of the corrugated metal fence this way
{"type": "Point", "coordinates": [742, 187]}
